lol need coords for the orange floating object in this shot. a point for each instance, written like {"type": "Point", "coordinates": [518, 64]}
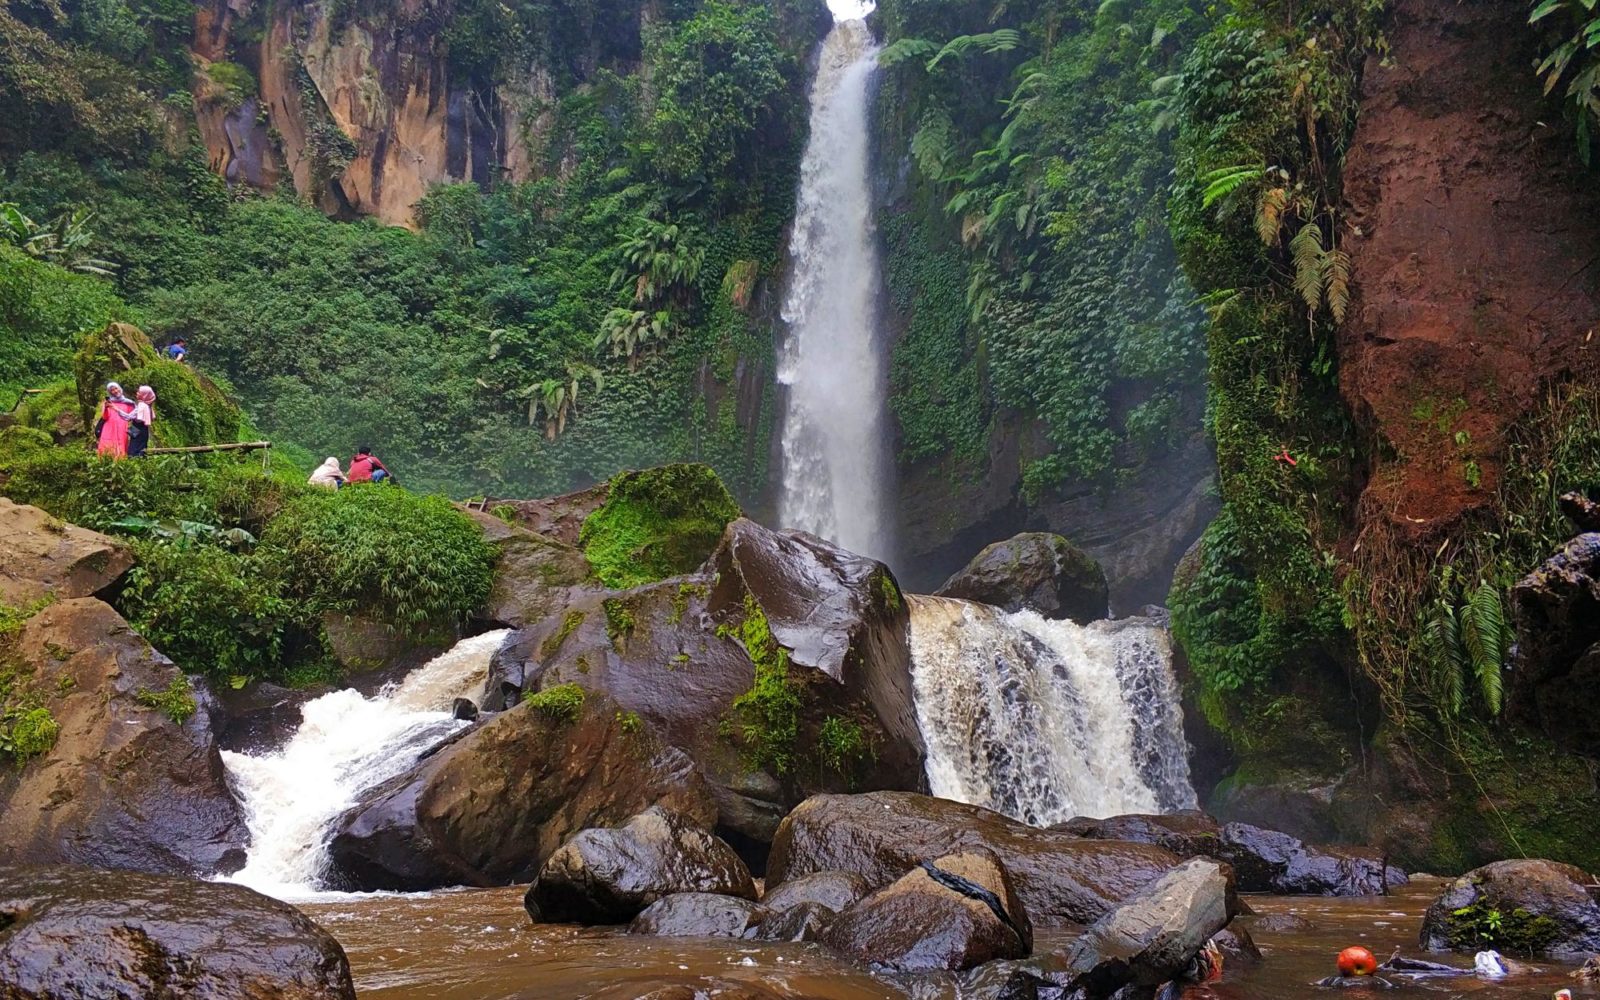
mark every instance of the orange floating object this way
{"type": "Point", "coordinates": [1357, 961]}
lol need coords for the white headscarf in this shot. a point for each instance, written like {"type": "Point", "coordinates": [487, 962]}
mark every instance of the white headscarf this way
{"type": "Point", "coordinates": [327, 474]}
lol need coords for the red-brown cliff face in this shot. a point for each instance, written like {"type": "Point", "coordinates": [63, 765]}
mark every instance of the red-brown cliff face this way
{"type": "Point", "coordinates": [1476, 256]}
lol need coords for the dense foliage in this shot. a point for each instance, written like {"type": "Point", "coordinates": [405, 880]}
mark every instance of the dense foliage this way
{"type": "Point", "coordinates": [655, 524]}
{"type": "Point", "coordinates": [479, 355]}
{"type": "Point", "coordinates": [1033, 266]}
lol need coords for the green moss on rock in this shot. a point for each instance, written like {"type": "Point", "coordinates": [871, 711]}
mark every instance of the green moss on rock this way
{"type": "Point", "coordinates": [563, 703]}
{"type": "Point", "coordinates": [655, 524]}
{"type": "Point", "coordinates": [768, 715]}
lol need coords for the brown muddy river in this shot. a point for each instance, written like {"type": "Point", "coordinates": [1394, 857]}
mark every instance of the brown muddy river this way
{"type": "Point", "coordinates": [478, 945]}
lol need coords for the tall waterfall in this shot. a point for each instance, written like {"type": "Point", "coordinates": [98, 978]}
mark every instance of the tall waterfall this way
{"type": "Point", "coordinates": [835, 449]}
{"type": "Point", "coordinates": [1047, 720]}
{"type": "Point", "coordinates": [345, 745]}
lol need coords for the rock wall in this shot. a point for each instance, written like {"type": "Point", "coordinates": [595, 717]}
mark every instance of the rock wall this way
{"type": "Point", "coordinates": [362, 114]}
{"type": "Point", "coordinates": [1476, 262]}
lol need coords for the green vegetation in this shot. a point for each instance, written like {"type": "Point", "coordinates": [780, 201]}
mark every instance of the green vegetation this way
{"type": "Point", "coordinates": [655, 524]}
{"type": "Point", "coordinates": [175, 701]}
{"type": "Point", "coordinates": [563, 703]}
{"type": "Point", "coordinates": [1571, 29]}
{"type": "Point", "coordinates": [619, 621]}
{"type": "Point", "coordinates": [552, 642]}
{"type": "Point", "coordinates": [1517, 932]}
{"type": "Point", "coordinates": [842, 747]}
{"type": "Point", "coordinates": [767, 717]}
{"type": "Point", "coordinates": [406, 560]}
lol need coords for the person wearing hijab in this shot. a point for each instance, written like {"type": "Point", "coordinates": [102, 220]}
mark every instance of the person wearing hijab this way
{"type": "Point", "coordinates": [327, 475]}
{"type": "Point", "coordinates": [111, 430]}
{"type": "Point", "coordinates": [139, 421]}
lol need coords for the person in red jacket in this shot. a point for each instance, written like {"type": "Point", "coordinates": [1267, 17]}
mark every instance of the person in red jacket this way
{"type": "Point", "coordinates": [365, 468]}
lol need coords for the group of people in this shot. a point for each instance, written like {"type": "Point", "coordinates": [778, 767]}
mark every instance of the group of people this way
{"type": "Point", "coordinates": [364, 468]}
{"type": "Point", "coordinates": [123, 427]}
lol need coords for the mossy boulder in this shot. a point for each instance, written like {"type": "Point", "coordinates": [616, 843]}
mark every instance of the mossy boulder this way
{"type": "Point", "coordinates": [1034, 571]}
{"type": "Point", "coordinates": [781, 667]}
{"type": "Point", "coordinates": [190, 408]}
{"type": "Point", "coordinates": [108, 356]}
{"type": "Point", "coordinates": [1527, 908]}
{"type": "Point", "coordinates": [656, 523]}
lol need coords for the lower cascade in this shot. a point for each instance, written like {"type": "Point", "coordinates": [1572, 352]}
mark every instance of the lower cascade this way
{"type": "Point", "coordinates": [1046, 720]}
{"type": "Point", "coordinates": [346, 744]}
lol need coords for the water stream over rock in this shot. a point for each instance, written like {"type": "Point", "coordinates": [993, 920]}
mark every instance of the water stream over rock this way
{"type": "Point", "coordinates": [346, 744]}
{"type": "Point", "coordinates": [1046, 720]}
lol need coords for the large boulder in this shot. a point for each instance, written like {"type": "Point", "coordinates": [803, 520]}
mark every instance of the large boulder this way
{"type": "Point", "coordinates": [833, 890]}
{"type": "Point", "coordinates": [68, 933]}
{"type": "Point", "coordinates": [1152, 937]}
{"type": "Point", "coordinates": [134, 779]}
{"type": "Point", "coordinates": [534, 576]}
{"type": "Point", "coordinates": [40, 556]}
{"type": "Point", "coordinates": [1034, 571]}
{"type": "Point", "coordinates": [1262, 860]}
{"type": "Point", "coordinates": [1527, 908]}
{"type": "Point", "coordinates": [782, 669]}
{"type": "Point", "coordinates": [491, 807]}
{"type": "Point", "coordinates": [697, 914]}
{"type": "Point", "coordinates": [1556, 611]}
{"type": "Point", "coordinates": [880, 836]}
{"type": "Point", "coordinates": [950, 914]}
{"type": "Point", "coordinates": [610, 876]}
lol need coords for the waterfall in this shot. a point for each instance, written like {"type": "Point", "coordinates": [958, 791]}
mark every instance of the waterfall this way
{"type": "Point", "coordinates": [346, 744]}
{"type": "Point", "coordinates": [835, 449]}
{"type": "Point", "coordinates": [1047, 720]}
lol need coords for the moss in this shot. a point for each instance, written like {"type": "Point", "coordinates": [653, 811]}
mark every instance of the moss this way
{"type": "Point", "coordinates": [680, 600]}
{"type": "Point", "coordinates": [890, 591]}
{"type": "Point", "coordinates": [768, 715]}
{"type": "Point", "coordinates": [843, 747]}
{"type": "Point", "coordinates": [175, 701]}
{"type": "Point", "coordinates": [28, 733]}
{"type": "Point", "coordinates": [19, 444]}
{"type": "Point", "coordinates": [563, 703]}
{"type": "Point", "coordinates": [619, 621]}
{"type": "Point", "coordinates": [552, 642]}
{"type": "Point", "coordinates": [105, 356]}
{"type": "Point", "coordinates": [43, 410]}
{"type": "Point", "coordinates": [655, 524]}
{"type": "Point", "coordinates": [505, 512]}
{"type": "Point", "coordinates": [1515, 932]}
{"type": "Point", "coordinates": [629, 722]}
{"type": "Point", "coordinates": [190, 409]}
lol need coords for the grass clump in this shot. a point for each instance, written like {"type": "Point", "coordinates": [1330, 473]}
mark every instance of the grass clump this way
{"type": "Point", "coordinates": [175, 701]}
{"type": "Point", "coordinates": [842, 746]}
{"type": "Point", "coordinates": [655, 524]}
{"type": "Point", "coordinates": [768, 715]}
{"type": "Point", "coordinates": [563, 703]}
{"type": "Point", "coordinates": [408, 561]}
{"type": "Point", "coordinates": [27, 733]}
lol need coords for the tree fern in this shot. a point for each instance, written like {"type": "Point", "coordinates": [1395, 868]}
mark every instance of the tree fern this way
{"type": "Point", "coordinates": [906, 49]}
{"type": "Point", "coordinates": [992, 42]}
{"type": "Point", "coordinates": [1224, 181]}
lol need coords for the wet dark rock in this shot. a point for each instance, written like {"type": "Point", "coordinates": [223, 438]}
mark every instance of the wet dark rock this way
{"type": "Point", "coordinates": [801, 922]}
{"type": "Point", "coordinates": [696, 914]}
{"type": "Point", "coordinates": [125, 785]}
{"type": "Point", "coordinates": [1262, 860]}
{"type": "Point", "coordinates": [1282, 923]}
{"type": "Point", "coordinates": [69, 933]}
{"type": "Point", "coordinates": [1583, 512]}
{"type": "Point", "coordinates": [1009, 980]}
{"type": "Point", "coordinates": [491, 807]}
{"type": "Point", "coordinates": [1236, 945]}
{"type": "Point", "coordinates": [834, 890]}
{"type": "Point", "coordinates": [1545, 909]}
{"type": "Point", "coordinates": [1153, 936]}
{"type": "Point", "coordinates": [1036, 571]}
{"type": "Point", "coordinates": [41, 555]}
{"type": "Point", "coordinates": [610, 876]}
{"type": "Point", "coordinates": [1268, 861]}
{"type": "Point", "coordinates": [261, 716]}
{"type": "Point", "coordinates": [880, 836]}
{"type": "Point", "coordinates": [952, 914]}
{"type": "Point", "coordinates": [1556, 612]}
{"type": "Point", "coordinates": [464, 709]}
{"type": "Point", "coordinates": [676, 654]}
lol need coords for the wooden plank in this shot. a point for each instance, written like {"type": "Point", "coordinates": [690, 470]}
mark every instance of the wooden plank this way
{"type": "Point", "coordinates": [232, 446]}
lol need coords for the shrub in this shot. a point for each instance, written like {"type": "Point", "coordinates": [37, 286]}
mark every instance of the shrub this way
{"type": "Point", "coordinates": [655, 524]}
{"type": "Point", "coordinates": [175, 701]}
{"type": "Point", "coordinates": [409, 561]}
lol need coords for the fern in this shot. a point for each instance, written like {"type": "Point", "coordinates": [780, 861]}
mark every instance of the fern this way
{"type": "Point", "coordinates": [1486, 640]}
{"type": "Point", "coordinates": [906, 49]}
{"type": "Point", "coordinates": [1336, 282]}
{"type": "Point", "coordinates": [1225, 181]}
{"type": "Point", "coordinates": [934, 143]}
{"type": "Point", "coordinates": [1269, 214]}
{"type": "Point", "coordinates": [1441, 640]}
{"type": "Point", "coordinates": [991, 43]}
{"type": "Point", "coordinates": [1309, 261]}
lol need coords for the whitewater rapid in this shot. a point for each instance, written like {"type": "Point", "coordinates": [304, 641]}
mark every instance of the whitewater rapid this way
{"type": "Point", "coordinates": [835, 451]}
{"type": "Point", "coordinates": [1046, 720]}
{"type": "Point", "coordinates": [346, 744]}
